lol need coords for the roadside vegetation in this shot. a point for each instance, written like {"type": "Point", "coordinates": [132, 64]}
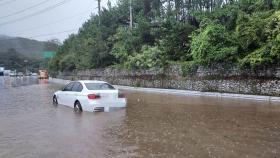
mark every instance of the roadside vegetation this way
{"type": "Point", "coordinates": [236, 33]}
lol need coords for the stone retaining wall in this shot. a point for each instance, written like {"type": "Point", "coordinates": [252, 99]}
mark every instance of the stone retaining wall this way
{"type": "Point", "coordinates": [266, 82]}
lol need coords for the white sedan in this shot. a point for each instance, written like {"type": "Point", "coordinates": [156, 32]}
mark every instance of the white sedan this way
{"type": "Point", "coordinates": [89, 96]}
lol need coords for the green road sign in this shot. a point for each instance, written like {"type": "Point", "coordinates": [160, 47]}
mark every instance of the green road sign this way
{"type": "Point", "coordinates": [48, 54]}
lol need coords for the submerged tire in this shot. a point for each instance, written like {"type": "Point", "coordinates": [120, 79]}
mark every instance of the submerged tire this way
{"type": "Point", "coordinates": [55, 102]}
{"type": "Point", "coordinates": [78, 107]}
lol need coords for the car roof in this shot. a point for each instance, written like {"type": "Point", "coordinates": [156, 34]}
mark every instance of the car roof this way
{"type": "Point", "coordinates": [91, 81]}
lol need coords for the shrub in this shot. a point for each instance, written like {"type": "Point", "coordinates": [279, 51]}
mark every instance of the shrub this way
{"type": "Point", "coordinates": [148, 57]}
{"type": "Point", "coordinates": [189, 68]}
{"type": "Point", "coordinates": [214, 45]}
{"type": "Point", "coordinates": [268, 54]}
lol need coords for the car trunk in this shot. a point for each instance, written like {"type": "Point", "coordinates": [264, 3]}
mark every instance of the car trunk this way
{"type": "Point", "coordinates": [106, 95]}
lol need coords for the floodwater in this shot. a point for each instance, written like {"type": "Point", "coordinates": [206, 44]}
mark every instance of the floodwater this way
{"type": "Point", "coordinates": [153, 125]}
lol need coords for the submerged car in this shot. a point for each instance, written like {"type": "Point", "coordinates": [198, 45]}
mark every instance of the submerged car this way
{"type": "Point", "coordinates": [90, 96]}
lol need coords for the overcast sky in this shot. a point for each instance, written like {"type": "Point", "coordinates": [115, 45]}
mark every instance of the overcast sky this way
{"type": "Point", "coordinates": [51, 23]}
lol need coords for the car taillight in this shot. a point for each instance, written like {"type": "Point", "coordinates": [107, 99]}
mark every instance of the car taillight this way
{"type": "Point", "coordinates": [93, 96]}
{"type": "Point", "coordinates": [121, 95]}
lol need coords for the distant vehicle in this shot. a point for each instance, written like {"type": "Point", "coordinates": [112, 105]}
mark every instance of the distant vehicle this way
{"type": "Point", "coordinates": [28, 74]}
{"type": "Point", "coordinates": [43, 74]}
{"type": "Point", "coordinates": [2, 71]}
{"type": "Point", "coordinates": [34, 74]}
{"type": "Point", "coordinates": [20, 74]}
{"type": "Point", "coordinates": [13, 73]}
{"type": "Point", "coordinates": [90, 96]}
{"type": "Point", "coordinates": [7, 72]}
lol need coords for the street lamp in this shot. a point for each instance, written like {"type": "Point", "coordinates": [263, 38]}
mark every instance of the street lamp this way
{"type": "Point", "coordinates": [25, 61]}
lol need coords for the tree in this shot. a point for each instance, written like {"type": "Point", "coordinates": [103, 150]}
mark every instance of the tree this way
{"type": "Point", "coordinates": [176, 40]}
{"type": "Point", "coordinates": [200, 32]}
{"type": "Point", "coordinates": [267, 52]}
{"type": "Point", "coordinates": [214, 45]}
{"type": "Point", "coordinates": [52, 45]}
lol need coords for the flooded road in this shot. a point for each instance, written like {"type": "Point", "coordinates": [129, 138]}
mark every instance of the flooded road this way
{"type": "Point", "coordinates": [153, 125]}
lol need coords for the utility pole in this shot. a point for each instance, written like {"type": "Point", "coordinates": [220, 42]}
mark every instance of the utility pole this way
{"type": "Point", "coordinates": [99, 11]}
{"type": "Point", "coordinates": [109, 5]}
{"type": "Point", "coordinates": [131, 16]}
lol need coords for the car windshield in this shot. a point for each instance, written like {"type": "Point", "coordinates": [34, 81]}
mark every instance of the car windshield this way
{"type": "Point", "coordinates": [99, 86]}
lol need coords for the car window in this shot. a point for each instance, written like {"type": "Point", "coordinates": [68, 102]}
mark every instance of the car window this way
{"type": "Point", "coordinates": [69, 87]}
{"type": "Point", "coordinates": [80, 88]}
{"type": "Point", "coordinates": [77, 87]}
{"type": "Point", "coordinates": [99, 86]}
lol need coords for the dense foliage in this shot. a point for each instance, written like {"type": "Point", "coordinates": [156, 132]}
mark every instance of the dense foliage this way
{"type": "Point", "coordinates": [241, 33]}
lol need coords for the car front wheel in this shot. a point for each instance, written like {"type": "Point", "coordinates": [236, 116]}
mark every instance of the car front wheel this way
{"type": "Point", "coordinates": [55, 102]}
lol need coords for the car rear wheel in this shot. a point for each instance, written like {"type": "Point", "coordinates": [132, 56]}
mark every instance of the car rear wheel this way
{"type": "Point", "coordinates": [55, 102]}
{"type": "Point", "coordinates": [78, 107]}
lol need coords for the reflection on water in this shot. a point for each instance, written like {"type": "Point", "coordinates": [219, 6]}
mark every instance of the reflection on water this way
{"type": "Point", "coordinates": [31, 127]}
{"type": "Point", "coordinates": [167, 126]}
{"type": "Point", "coordinates": [6, 82]}
{"type": "Point", "coordinates": [153, 125]}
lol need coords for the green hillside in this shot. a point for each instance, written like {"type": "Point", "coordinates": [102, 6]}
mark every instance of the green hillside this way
{"type": "Point", "coordinates": [14, 50]}
{"type": "Point", "coordinates": [27, 47]}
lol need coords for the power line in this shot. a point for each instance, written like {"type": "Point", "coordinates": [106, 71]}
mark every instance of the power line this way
{"type": "Point", "coordinates": [23, 10]}
{"type": "Point", "coordinates": [48, 24]}
{"type": "Point", "coordinates": [42, 35]}
{"type": "Point", "coordinates": [36, 13]}
{"type": "Point", "coordinates": [55, 33]}
{"type": "Point", "coordinates": [6, 3]}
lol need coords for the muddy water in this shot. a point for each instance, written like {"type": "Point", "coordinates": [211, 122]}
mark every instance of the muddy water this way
{"type": "Point", "coordinates": [153, 125]}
